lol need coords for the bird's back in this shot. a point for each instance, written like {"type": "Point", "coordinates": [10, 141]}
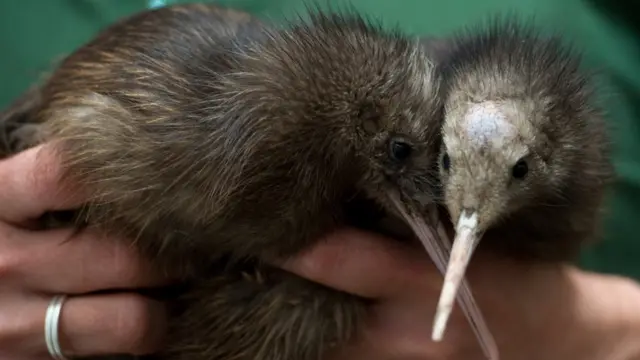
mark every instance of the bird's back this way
{"type": "Point", "coordinates": [152, 62]}
{"type": "Point", "coordinates": [155, 62]}
{"type": "Point", "coordinates": [132, 98]}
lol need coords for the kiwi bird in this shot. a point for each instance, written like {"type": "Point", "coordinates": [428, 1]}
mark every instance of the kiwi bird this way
{"type": "Point", "coordinates": [525, 159]}
{"type": "Point", "coordinates": [218, 144]}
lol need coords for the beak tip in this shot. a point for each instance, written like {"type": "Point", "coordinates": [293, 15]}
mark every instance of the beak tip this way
{"type": "Point", "coordinates": [440, 324]}
{"type": "Point", "coordinates": [437, 335]}
{"type": "Point", "coordinates": [462, 249]}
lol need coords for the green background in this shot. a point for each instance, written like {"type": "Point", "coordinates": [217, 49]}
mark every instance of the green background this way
{"type": "Point", "coordinates": [36, 33]}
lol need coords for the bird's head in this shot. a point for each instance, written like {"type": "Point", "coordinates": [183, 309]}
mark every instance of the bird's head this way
{"type": "Point", "coordinates": [356, 97]}
{"type": "Point", "coordinates": [517, 107]}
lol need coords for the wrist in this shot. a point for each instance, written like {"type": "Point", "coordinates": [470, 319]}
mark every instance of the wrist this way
{"type": "Point", "coordinates": [558, 312]}
{"type": "Point", "coordinates": [611, 305]}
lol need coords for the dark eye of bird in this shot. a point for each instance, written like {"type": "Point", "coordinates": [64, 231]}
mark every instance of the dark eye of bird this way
{"type": "Point", "coordinates": [520, 169]}
{"type": "Point", "coordinates": [400, 150]}
{"type": "Point", "coordinates": [446, 162]}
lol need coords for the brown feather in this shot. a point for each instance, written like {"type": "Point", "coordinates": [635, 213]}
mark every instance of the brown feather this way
{"type": "Point", "coordinates": [212, 139]}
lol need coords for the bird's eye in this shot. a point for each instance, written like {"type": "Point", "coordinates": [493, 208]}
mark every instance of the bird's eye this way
{"type": "Point", "coordinates": [446, 162]}
{"type": "Point", "coordinates": [520, 169]}
{"type": "Point", "coordinates": [399, 150]}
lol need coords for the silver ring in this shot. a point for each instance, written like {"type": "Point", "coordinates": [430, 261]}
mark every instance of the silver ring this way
{"type": "Point", "coordinates": [51, 320]}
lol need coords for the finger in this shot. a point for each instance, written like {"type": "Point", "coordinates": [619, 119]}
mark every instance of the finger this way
{"type": "Point", "coordinates": [31, 185]}
{"type": "Point", "coordinates": [105, 325]}
{"type": "Point", "coordinates": [364, 264]}
{"type": "Point", "coordinates": [108, 324]}
{"type": "Point", "coordinates": [401, 339]}
{"type": "Point", "coordinates": [61, 261]}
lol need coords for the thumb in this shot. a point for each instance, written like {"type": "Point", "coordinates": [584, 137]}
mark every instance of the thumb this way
{"type": "Point", "coordinates": [32, 185]}
{"type": "Point", "coordinates": [364, 264]}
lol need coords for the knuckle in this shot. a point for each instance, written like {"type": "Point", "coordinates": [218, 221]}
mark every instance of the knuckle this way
{"type": "Point", "coordinates": [38, 188]}
{"type": "Point", "coordinates": [7, 335]}
{"type": "Point", "coordinates": [126, 271]}
{"type": "Point", "coordinates": [42, 172]}
{"type": "Point", "coordinates": [7, 266]}
{"type": "Point", "coordinates": [9, 258]}
{"type": "Point", "coordinates": [126, 264]}
{"type": "Point", "coordinates": [133, 323]}
{"type": "Point", "coordinates": [318, 263]}
{"type": "Point", "coordinates": [13, 330]}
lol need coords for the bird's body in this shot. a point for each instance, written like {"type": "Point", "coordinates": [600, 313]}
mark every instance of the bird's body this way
{"type": "Point", "coordinates": [525, 161]}
{"type": "Point", "coordinates": [215, 142]}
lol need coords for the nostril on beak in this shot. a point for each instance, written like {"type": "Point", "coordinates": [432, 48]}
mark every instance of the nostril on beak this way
{"type": "Point", "coordinates": [469, 204]}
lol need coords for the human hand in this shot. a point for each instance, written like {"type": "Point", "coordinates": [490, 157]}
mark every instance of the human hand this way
{"type": "Point", "coordinates": [535, 311]}
{"type": "Point", "coordinates": [35, 265]}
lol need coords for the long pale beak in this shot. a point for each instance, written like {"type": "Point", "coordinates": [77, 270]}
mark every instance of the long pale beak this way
{"type": "Point", "coordinates": [437, 245]}
{"type": "Point", "coordinates": [464, 245]}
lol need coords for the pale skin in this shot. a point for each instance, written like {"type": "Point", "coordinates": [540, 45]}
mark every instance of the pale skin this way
{"type": "Point", "coordinates": [535, 312]}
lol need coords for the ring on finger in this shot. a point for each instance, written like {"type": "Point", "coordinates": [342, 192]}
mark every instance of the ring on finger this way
{"type": "Point", "coordinates": [51, 327]}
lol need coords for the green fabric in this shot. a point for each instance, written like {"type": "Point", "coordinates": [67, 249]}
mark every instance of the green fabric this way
{"type": "Point", "coordinates": [35, 33]}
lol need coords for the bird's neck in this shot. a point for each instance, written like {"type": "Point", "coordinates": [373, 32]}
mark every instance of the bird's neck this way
{"type": "Point", "coordinates": [555, 230]}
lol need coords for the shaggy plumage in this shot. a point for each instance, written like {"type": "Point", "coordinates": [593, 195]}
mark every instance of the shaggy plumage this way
{"type": "Point", "coordinates": [216, 142]}
{"type": "Point", "coordinates": [525, 161]}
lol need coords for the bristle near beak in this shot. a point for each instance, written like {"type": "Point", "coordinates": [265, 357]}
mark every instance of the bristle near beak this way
{"type": "Point", "coordinates": [438, 247]}
{"type": "Point", "coordinates": [464, 245]}
{"type": "Point", "coordinates": [423, 232]}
